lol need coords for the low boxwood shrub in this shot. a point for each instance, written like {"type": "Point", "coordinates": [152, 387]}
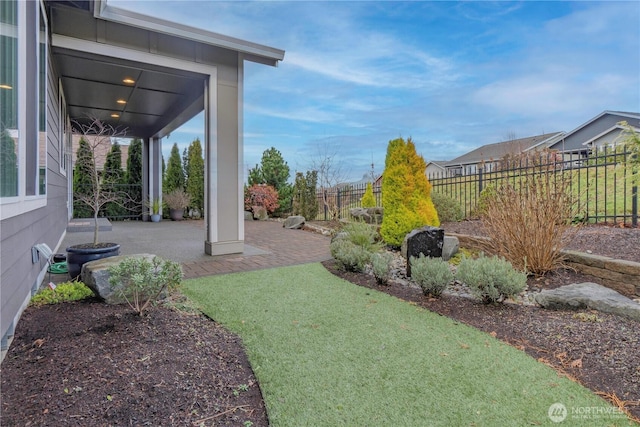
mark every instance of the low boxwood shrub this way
{"type": "Point", "coordinates": [381, 266]}
{"type": "Point", "coordinates": [432, 274]}
{"type": "Point", "coordinates": [67, 291]}
{"type": "Point", "coordinates": [349, 256]}
{"type": "Point", "coordinates": [491, 278]}
{"type": "Point", "coordinates": [448, 208]}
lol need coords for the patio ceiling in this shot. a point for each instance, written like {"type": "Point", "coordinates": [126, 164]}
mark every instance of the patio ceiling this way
{"type": "Point", "coordinates": [144, 99]}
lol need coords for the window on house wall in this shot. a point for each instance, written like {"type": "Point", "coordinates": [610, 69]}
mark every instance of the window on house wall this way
{"type": "Point", "coordinates": [42, 103]}
{"type": "Point", "coordinates": [9, 133]}
{"type": "Point", "coordinates": [24, 44]}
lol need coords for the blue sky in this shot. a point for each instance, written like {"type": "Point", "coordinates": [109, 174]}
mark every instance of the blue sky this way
{"type": "Point", "coordinates": [450, 75]}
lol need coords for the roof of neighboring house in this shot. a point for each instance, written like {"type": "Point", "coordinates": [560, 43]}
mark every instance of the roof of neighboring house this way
{"type": "Point", "coordinates": [439, 163]}
{"type": "Point", "coordinates": [598, 125]}
{"type": "Point", "coordinates": [498, 150]}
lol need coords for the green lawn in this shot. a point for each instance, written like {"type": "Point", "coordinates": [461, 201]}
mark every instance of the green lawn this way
{"type": "Point", "coordinates": [329, 353]}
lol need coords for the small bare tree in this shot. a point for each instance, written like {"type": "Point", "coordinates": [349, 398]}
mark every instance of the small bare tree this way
{"type": "Point", "coordinates": [102, 190]}
{"type": "Point", "coordinates": [330, 174]}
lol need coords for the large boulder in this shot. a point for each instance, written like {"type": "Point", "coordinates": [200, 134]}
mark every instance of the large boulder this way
{"type": "Point", "coordinates": [368, 215]}
{"type": "Point", "coordinates": [425, 240]}
{"type": "Point", "coordinates": [589, 295]}
{"type": "Point", "coordinates": [294, 222]}
{"type": "Point", "coordinates": [260, 213]}
{"type": "Point", "coordinates": [248, 216]}
{"type": "Point", "coordinates": [95, 275]}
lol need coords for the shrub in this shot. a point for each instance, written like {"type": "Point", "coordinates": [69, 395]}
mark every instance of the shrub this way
{"type": "Point", "coordinates": [368, 200]}
{"type": "Point", "coordinates": [141, 282]}
{"type": "Point", "coordinates": [491, 278]}
{"type": "Point", "coordinates": [381, 266]}
{"type": "Point", "coordinates": [349, 256]}
{"type": "Point", "coordinates": [486, 196]}
{"type": "Point", "coordinates": [432, 274]}
{"type": "Point", "coordinates": [530, 224]}
{"type": "Point", "coordinates": [261, 195]}
{"type": "Point", "coordinates": [405, 193]}
{"type": "Point", "coordinates": [362, 234]}
{"type": "Point", "coordinates": [305, 200]}
{"type": "Point", "coordinates": [67, 291]}
{"type": "Point", "coordinates": [448, 208]}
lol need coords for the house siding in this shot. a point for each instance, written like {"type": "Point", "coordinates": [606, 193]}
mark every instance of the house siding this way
{"type": "Point", "coordinates": [20, 277]}
{"type": "Point", "coordinates": [574, 141]}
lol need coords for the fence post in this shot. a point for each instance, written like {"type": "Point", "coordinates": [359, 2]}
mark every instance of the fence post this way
{"type": "Point", "coordinates": [634, 206]}
{"type": "Point", "coordinates": [339, 204]}
{"type": "Point", "coordinates": [480, 181]}
{"type": "Point", "coordinates": [324, 197]}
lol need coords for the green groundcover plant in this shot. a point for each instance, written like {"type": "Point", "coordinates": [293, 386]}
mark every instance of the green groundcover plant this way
{"type": "Point", "coordinates": [67, 291]}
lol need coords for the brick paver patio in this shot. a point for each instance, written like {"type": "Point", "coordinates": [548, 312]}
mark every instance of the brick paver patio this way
{"type": "Point", "coordinates": [269, 245]}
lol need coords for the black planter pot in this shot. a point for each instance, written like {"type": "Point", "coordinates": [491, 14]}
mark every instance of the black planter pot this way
{"type": "Point", "coordinates": [78, 255]}
{"type": "Point", "coordinates": [176, 214]}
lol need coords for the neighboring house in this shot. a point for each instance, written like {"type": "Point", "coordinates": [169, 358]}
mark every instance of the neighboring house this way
{"type": "Point", "coordinates": [436, 168]}
{"type": "Point", "coordinates": [488, 156]}
{"type": "Point", "coordinates": [602, 130]}
{"type": "Point", "coordinates": [64, 61]}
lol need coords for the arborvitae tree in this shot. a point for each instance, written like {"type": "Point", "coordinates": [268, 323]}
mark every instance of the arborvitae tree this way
{"type": "Point", "coordinates": [82, 179]}
{"type": "Point", "coordinates": [113, 177]}
{"type": "Point", "coordinates": [406, 193]}
{"type": "Point", "coordinates": [195, 174]}
{"type": "Point", "coordinates": [274, 171]}
{"type": "Point", "coordinates": [8, 165]}
{"type": "Point", "coordinates": [305, 201]}
{"type": "Point", "coordinates": [174, 176]}
{"type": "Point", "coordinates": [134, 176]}
{"type": "Point", "coordinates": [368, 200]}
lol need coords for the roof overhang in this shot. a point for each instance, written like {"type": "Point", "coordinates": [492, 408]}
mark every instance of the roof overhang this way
{"type": "Point", "coordinates": [166, 91]}
{"type": "Point", "coordinates": [252, 51]}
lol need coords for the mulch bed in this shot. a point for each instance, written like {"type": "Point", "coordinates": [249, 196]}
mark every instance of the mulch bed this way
{"type": "Point", "coordinates": [88, 363]}
{"type": "Point", "coordinates": [91, 364]}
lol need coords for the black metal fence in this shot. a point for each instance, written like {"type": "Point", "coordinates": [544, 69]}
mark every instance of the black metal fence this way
{"type": "Point", "coordinates": [335, 203]}
{"type": "Point", "coordinates": [601, 187]}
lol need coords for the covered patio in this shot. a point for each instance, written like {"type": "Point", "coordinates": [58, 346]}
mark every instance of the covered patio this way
{"type": "Point", "coordinates": [148, 77]}
{"type": "Point", "coordinates": [267, 245]}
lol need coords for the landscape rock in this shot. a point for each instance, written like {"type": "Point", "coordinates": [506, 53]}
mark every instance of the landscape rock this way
{"type": "Point", "coordinates": [260, 213]}
{"type": "Point", "coordinates": [248, 216]}
{"type": "Point", "coordinates": [450, 247]}
{"type": "Point", "coordinates": [95, 275]}
{"type": "Point", "coordinates": [589, 295]}
{"type": "Point", "coordinates": [425, 240]}
{"type": "Point", "coordinates": [294, 222]}
{"type": "Point", "coordinates": [368, 215]}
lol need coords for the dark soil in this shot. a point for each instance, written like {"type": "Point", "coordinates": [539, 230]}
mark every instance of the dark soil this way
{"type": "Point", "coordinates": [88, 363]}
{"type": "Point", "coordinates": [91, 364]}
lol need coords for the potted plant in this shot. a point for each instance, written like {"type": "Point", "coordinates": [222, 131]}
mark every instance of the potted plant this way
{"type": "Point", "coordinates": [154, 208]}
{"type": "Point", "coordinates": [177, 201]}
{"type": "Point", "coordinates": [97, 193]}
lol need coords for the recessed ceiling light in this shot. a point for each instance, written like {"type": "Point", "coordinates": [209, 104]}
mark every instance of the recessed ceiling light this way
{"type": "Point", "coordinates": [128, 81]}
{"type": "Point", "coordinates": [5, 86]}
{"type": "Point", "coordinates": [121, 101]}
{"type": "Point", "coordinates": [115, 115]}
